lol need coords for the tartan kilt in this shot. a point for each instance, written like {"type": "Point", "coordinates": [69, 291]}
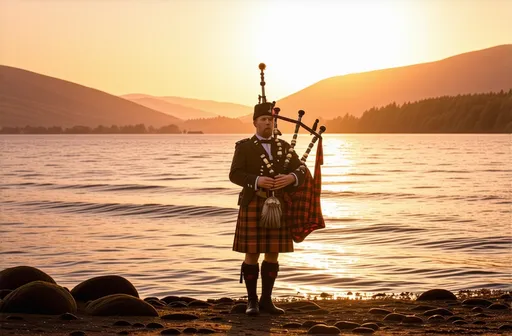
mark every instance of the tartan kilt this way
{"type": "Point", "coordinates": [250, 238]}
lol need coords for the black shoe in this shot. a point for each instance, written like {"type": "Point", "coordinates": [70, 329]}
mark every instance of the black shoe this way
{"type": "Point", "coordinates": [252, 307]}
{"type": "Point", "coordinates": [249, 274]}
{"type": "Point", "coordinates": [267, 306]}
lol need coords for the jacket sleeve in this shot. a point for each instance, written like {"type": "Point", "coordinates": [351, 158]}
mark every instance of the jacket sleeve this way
{"type": "Point", "coordinates": [238, 173]}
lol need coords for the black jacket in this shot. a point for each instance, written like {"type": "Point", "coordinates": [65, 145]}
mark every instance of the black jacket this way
{"type": "Point", "coordinates": [247, 164]}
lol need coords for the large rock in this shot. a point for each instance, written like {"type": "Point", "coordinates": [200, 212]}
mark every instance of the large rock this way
{"type": "Point", "coordinates": [39, 297]}
{"type": "Point", "coordinates": [120, 305]}
{"type": "Point", "coordinates": [102, 286]}
{"type": "Point", "coordinates": [14, 277]}
{"type": "Point", "coordinates": [437, 294]}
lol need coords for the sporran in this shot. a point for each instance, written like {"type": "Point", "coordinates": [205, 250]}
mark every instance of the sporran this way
{"type": "Point", "coordinates": [271, 213]}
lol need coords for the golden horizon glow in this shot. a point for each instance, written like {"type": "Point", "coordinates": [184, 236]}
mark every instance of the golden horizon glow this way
{"type": "Point", "coordinates": [210, 49]}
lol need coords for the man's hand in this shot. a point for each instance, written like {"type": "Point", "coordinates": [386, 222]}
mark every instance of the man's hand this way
{"type": "Point", "coordinates": [265, 182]}
{"type": "Point", "coordinates": [282, 181]}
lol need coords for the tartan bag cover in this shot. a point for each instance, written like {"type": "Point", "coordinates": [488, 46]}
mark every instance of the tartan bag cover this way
{"type": "Point", "coordinates": [303, 210]}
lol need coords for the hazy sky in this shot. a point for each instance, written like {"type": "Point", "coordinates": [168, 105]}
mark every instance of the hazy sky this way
{"type": "Point", "coordinates": [210, 49]}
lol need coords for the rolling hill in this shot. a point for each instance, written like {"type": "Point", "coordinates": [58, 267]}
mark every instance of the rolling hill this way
{"type": "Point", "coordinates": [487, 70]}
{"type": "Point", "coordinates": [176, 110]}
{"type": "Point", "coordinates": [210, 108]}
{"type": "Point", "coordinates": [28, 98]}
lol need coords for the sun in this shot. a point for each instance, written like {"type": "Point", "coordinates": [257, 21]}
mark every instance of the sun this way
{"type": "Point", "coordinates": [305, 42]}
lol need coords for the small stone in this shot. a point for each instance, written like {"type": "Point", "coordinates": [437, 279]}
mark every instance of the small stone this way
{"type": "Point", "coordinates": [154, 325]}
{"type": "Point", "coordinates": [481, 315]}
{"type": "Point", "coordinates": [68, 317]}
{"type": "Point", "coordinates": [346, 325]}
{"type": "Point", "coordinates": [454, 318]}
{"type": "Point", "coordinates": [156, 303]}
{"type": "Point", "coordinates": [363, 330]}
{"type": "Point", "coordinates": [120, 305]}
{"type": "Point", "coordinates": [171, 298]}
{"type": "Point", "coordinates": [379, 311]}
{"type": "Point", "coordinates": [205, 331]}
{"type": "Point", "coordinates": [323, 329]}
{"type": "Point", "coordinates": [187, 299]}
{"type": "Point", "coordinates": [199, 303]}
{"type": "Point", "coordinates": [292, 325]}
{"type": "Point", "coordinates": [238, 308]}
{"type": "Point", "coordinates": [422, 308]}
{"type": "Point", "coordinates": [310, 308]}
{"type": "Point", "coordinates": [479, 322]}
{"type": "Point", "coordinates": [190, 330]}
{"type": "Point", "coordinates": [438, 311]}
{"type": "Point", "coordinates": [394, 317]}
{"type": "Point", "coordinates": [506, 297]}
{"type": "Point", "coordinates": [179, 316]}
{"type": "Point", "coordinates": [477, 309]}
{"type": "Point", "coordinates": [14, 318]}
{"type": "Point", "coordinates": [459, 322]}
{"type": "Point", "coordinates": [216, 318]}
{"type": "Point", "coordinates": [498, 306]}
{"type": "Point", "coordinates": [476, 302]}
{"type": "Point", "coordinates": [177, 304]}
{"type": "Point", "coordinates": [138, 325]}
{"type": "Point", "coordinates": [505, 327]}
{"type": "Point", "coordinates": [151, 298]}
{"type": "Point", "coordinates": [77, 333]}
{"type": "Point", "coordinates": [411, 319]}
{"type": "Point", "coordinates": [301, 305]}
{"type": "Point", "coordinates": [437, 294]}
{"type": "Point", "coordinates": [436, 318]}
{"type": "Point", "coordinates": [324, 295]}
{"type": "Point", "coordinates": [122, 323]}
{"type": "Point", "coordinates": [223, 300]}
{"type": "Point", "coordinates": [309, 324]}
{"type": "Point", "coordinates": [370, 325]}
{"type": "Point", "coordinates": [170, 331]}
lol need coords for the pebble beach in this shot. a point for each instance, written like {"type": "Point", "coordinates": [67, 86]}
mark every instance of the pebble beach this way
{"type": "Point", "coordinates": [33, 304]}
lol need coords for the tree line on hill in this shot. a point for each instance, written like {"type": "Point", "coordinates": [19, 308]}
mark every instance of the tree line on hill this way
{"type": "Point", "coordinates": [470, 113]}
{"type": "Point", "coordinates": [114, 129]}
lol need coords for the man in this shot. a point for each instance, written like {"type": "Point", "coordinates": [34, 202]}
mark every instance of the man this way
{"type": "Point", "coordinates": [257, 167]}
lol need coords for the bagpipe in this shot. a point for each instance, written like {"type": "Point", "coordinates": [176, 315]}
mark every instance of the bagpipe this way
{"type": "Point", "coordinates": [303, 211]}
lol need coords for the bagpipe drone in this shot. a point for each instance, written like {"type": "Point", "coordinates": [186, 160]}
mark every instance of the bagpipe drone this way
{"type": "Point", "coordinates": [302, 208]}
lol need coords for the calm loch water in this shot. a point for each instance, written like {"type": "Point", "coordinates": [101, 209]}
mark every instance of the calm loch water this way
{"type": "Point", "coordinates": [403, 213]}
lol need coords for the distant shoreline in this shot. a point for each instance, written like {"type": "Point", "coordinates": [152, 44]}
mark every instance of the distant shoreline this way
{"type": "Point", "coordinates": [250, 134]}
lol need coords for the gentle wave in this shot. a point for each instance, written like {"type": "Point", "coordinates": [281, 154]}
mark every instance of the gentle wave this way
{"type": "Point", "coordinates": [150, 210]}
{"type": "Point", "coordinates": [125, 188]}
{"type": "Point", "coordinates": [397, 195]}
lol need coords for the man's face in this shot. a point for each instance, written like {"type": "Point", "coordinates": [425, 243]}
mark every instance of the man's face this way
{"type": "Point", "coordinates": [264, 125]}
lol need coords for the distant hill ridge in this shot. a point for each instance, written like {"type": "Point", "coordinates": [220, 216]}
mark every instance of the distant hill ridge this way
{"type": "Point", "coordinates": [487, 70]}
{"type": "Point", "coordinates": [199, 108]}
{"type": "Point", "coordinates": [176, 110]}
{"type": "Point", "coordinates": [29, 98]}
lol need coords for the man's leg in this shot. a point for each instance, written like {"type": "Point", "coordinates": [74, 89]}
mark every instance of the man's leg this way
{"type": "Point", "coordinates": [269, 270]}
{"type": "Point", "coordinates": [250, 272]}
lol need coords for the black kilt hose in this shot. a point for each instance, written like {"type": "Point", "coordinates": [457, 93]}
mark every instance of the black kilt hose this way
{"type": "Point", "coordinates": [246, 166]}
{"type": "Point", "coordinates": [250, 238]}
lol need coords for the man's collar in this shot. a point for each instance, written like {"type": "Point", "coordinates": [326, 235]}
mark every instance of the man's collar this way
{"type": "Point", "coordinates": [262, 138]}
